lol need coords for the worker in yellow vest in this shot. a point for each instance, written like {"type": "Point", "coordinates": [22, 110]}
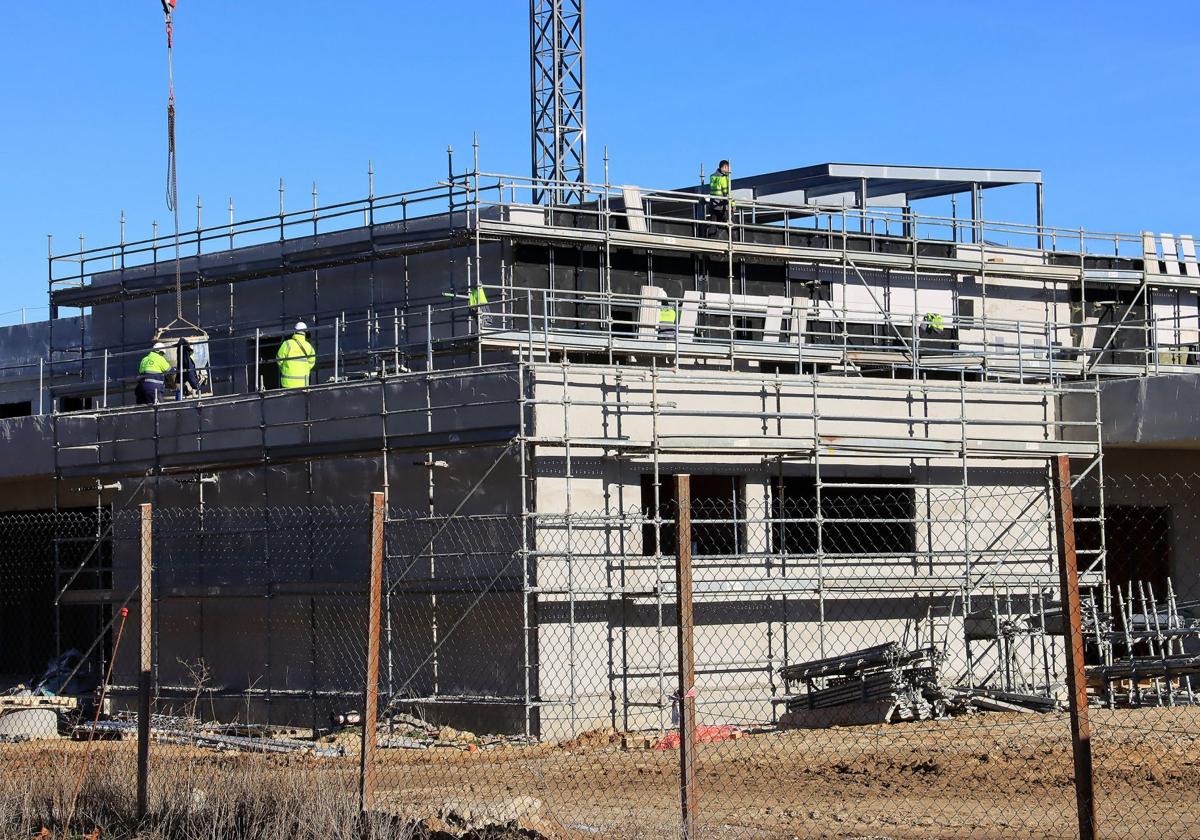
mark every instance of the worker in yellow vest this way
{"type": "Point", "coordinates": [296, 358]}
{"type": "Point", "coordinates": [668, 316]}
{"type": "Point", "coordinates": [934, 322]}
{"type": "Point", "coordinates": [153, 370]}
{"type": "Point", "coordinates": [719, 202]}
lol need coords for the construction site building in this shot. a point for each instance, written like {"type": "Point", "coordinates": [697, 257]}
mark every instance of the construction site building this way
{"type": "Point", "coordinates": [867, 396]}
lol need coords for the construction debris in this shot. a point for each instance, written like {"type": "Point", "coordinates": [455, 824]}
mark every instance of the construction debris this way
{"type": "Point", "coordinates": [886, 683]}
{"type": "Point", "coordinates": [186, 731]}
{"type": "Point", "coordinates": [988, 698]}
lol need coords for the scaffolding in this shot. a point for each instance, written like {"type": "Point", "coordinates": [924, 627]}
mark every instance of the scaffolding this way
{"type": "Point", "coordinates": [806, 355]}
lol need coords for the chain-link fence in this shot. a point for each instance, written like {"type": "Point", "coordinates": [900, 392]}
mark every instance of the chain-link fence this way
{"type": "Point", "coordinates": [808, 657]}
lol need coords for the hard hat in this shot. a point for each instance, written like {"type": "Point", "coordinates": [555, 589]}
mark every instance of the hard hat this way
{"type": "Point", "coordinates": [158, 345]}
{"type": "Point", "coordinates": [301, 326]}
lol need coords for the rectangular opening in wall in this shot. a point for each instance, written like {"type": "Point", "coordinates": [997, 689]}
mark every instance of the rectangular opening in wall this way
{"type": "Point", "coordinates": [718, 520]}
{"type": "Point", "coordinates": [268, 368]}
{"type": "Point", "coordinates": [1137, 539]}
{"type": "Point", "coordinates": [854, 520]}
{"type": "Point", "coordinates": [69, 404]}
{"type": "Point", "coordinates": [16, 409]}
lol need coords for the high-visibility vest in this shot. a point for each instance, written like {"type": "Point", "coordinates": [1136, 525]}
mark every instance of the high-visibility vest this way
{"type": "Point", "coordinates": [153, 368]}
{"type": "Point", "coordinates": [477, 296]}
{"type": "Point", "coordinates": [934, 321]}
{"type": "Point", "coordinates": [666, 315]}
{"type": "Point", "coordinates": [718, 184]}
{"type": "Point", "coordinates": [296, 359]}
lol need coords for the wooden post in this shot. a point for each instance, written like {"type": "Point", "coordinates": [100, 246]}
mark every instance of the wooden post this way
{"type": "Point", "coordinates": [686, 691]}
{"type": "Point", "coordinates": [366, 778]}
{"type": "Point", "coordinates": [145, 687]}
{"type": "Point", "coordinates": [1081, 733]}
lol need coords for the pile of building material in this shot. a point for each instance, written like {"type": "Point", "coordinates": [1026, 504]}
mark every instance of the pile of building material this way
{"type": "Point", "coordinates": [399, 730]}
{"type": "Point", "coordinates": [169, 729]}
{"type": "Point", "coordinates": [1151, 652]}
{"type": "Point", "coordinates": [26, 716]}
{"type": "Point", "coordinates": [879, 684]}
{"type": "Point", "coordinates": [888, 684]}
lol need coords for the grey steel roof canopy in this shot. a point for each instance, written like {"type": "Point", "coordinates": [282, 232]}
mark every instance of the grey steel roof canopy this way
{"type": "Point", "coordinates": [840, 184]}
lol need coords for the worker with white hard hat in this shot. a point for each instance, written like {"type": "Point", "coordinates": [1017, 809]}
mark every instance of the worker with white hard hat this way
{"type": "Point", "coordinates": [152, 375]}
{"type": "Point", "coordinates": [296, 358]}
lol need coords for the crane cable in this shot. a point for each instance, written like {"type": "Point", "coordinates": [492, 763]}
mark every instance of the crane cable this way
{"type": "Point", "coordinates": [172, 179]}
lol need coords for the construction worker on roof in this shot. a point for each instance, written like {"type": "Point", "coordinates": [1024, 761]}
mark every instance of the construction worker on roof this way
{"type": "Point", "coordinates": [296, 358]}
{"type": "Point", "coordinates": [719, 202]}
{"type": "Point", "coordinates": [152, 375]}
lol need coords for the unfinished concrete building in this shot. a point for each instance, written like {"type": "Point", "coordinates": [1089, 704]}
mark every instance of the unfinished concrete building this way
{"type": "Point", "coordinates": [867, 396]}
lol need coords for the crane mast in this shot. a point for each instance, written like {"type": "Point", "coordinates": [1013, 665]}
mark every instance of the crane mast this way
{"type": "Point", "coordinates": [559, 125]}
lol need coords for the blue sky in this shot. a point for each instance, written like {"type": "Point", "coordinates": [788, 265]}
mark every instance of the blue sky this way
{"type": "Point", "coordinates": [1104, 97]}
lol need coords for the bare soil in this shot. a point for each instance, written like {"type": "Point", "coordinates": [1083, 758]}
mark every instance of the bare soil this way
{"type": "Point", "coordinates": [988, 776]}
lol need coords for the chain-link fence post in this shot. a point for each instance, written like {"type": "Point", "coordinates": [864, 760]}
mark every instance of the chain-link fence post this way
{"type": "Point", "coordinates": [145, 661]}
{"type": "Point", "coordinates": [686, 691]}
{"type": "Point", "coordinates": [366, 782]}
{"type": "Point", "coordinates": [1081, 734]}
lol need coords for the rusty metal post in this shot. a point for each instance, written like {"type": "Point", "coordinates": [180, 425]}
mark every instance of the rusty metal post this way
{"type": "Point", "coordinates": [1081, 733]}
{"type": "Point", "coordinates": [366, 778]}
{"type": "Point", "coordinates": [145, 687]}
{"type": "Point", "coordinates": [686, 692]}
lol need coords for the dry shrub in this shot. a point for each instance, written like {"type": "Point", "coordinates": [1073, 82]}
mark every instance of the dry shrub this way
{"type": "Point", "coordinates": [193, 797]}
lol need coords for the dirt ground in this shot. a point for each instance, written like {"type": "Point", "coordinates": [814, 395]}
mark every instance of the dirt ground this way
{"type": "Point", "coordinates": [984, 777]}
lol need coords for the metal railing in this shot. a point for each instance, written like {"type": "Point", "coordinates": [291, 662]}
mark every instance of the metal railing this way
{"type": "Point", "coordinates": [604, 203]}
{"type": "Point", "coordinates": [467, 198]}
{"type": "Point", "coordinates": [736, 330]}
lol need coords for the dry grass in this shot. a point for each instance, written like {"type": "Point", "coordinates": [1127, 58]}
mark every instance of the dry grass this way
{"type": "Point", "coordinates": [991, 777]}
{"type": "Point", "coordinates": [200, 796]}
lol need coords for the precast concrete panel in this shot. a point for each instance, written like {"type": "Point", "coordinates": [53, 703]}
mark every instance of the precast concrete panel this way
{"type": "Point", "coordinates": [183, 652]}
{"type": "Point", "coordinates": [345, 414]}
{"type": "Point", "coordinates": [26, 442]}
{"type": "Point", "coordinates": [467, 486]}
{"type": "Point", "coordinates": [286, 485]}
{"type": "Point", "coordinates": [294, 633]}
{"type": "Point", "coordinates": [476, 401]}
{"type": "Point", "coordinates": [31, 493]}
{"type": "Point", "coordinates": [336, 630]}
{"type": "Point", "coordinates": [297, 297]}
{"type": "Point", "coordinates": [479, 645]}
{"type": "Point", "coordinates": [405, 399]}
{"type": "Point", "coordinates": [346, 481]}
{"type": "Point", "coordinates": [237, 646]}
